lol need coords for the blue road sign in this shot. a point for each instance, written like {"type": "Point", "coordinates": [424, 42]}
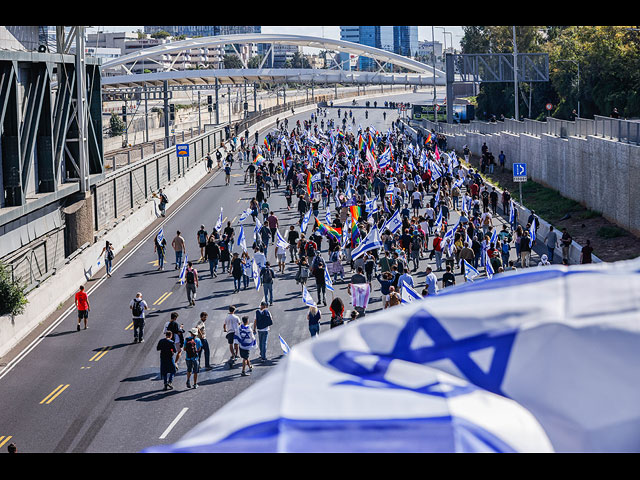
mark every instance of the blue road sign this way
{"type": "Point", "coordinates": [519, 172]}
{"type": "Point", "coordinates": [182, 150]}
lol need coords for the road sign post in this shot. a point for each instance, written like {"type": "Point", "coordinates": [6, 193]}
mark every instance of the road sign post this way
{"type": "Point", "coordinates": [520, 176]}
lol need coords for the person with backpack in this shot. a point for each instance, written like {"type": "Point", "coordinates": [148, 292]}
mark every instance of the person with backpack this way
{"type": "Point", "coordinates": [261, 324]}
{"type": "Point", "coordinates": [212, 254]}
{"type": "Point", "coordinates": [138, 306]}
{"type": "Point", "coordinates": [245, 339]}
{"type": "Point", "coordinates": [202, 335]}
{"type": "Point", "coordinates": [321, 283]}
{"type": "Point", "coordinates": [267, 275]}
{"type": "Point", "coordinates": [192, 346]}
{"type": "Point", "coordinates": [337, 312]}
{"type": "Point", "coordinates": [191, 283]}
{"type": "Point", "coordinates": [163, 201]}
{"type": "Point", "coordinates": [303, 271]}
{"type": "Point", "coordinates": [201, 236]}
{"type": "Point", "coordinates": [108, 256]}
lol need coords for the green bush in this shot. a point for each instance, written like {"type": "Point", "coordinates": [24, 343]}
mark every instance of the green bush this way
{"type": "Point", "coordinates": [116, 124]}
{"type": "Point", "coordinates": [610, 232]}
{"type": "Point", "coordinates": [12, 297]}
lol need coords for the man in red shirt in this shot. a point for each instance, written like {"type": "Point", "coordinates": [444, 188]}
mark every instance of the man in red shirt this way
{"type": "Point", "coordinates": [82, 304]}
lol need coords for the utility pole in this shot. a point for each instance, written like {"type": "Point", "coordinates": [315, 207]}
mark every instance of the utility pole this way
{"type": "Point", "coordinates": [146, 114]}
{"type": "Point", "coordinates": [515, 74]}
{"type": "Point", "coordinates": [81, 110]}
{"type": "Point", "coordinates": [199, 119]}
{"type": "Point", "coordinates": [433, 63]}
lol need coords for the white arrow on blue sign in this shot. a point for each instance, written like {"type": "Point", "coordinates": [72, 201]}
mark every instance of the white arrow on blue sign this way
{"type": "Point", "coordinates": [520, 169]}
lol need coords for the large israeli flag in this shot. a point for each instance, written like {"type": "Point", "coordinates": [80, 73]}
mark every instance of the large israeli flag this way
{"type": "Point", "coordinates": [372, 241]}
{"type": "Point", "coordinates": [244, 215]}
{"type": "Point", "coordinates": [160, 236]}
{"type": "Point", "coordinates": [532, 233]}
{"type": "Point", "coordinates": [394, 223]}
{"type": "Point", "coordinates": [487, 265]}
{"type": "Point", "coordinates": [482, 367]}
{"type": "Point", "coordinates": [512, 212]}
{"type": "Point", "coordinates": [438, 223]}
{"type": "Point", "coordinates": [494, 236]}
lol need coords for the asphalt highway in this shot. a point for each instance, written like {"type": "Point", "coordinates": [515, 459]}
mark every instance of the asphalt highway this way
{"type": "Point", "coordinates": [96, 391]}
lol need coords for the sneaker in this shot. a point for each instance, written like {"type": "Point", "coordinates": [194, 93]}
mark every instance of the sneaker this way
{"type": "Point", "coordinates": [166, 387]}
{"type": "Point", "coordinates": [170, 386]}
{"type": "Point", "coordinates": [195, 385]}
{"type": "Point", "coordinates": [135, 340]}
{"type": "Point", "coordinates": [188, 385]}
{"type": "Point", "coordinates": [142, 341]}
{"type": "Point", "coordinates": [78, 327]}
{"type": "Point", "coordinates": [244, 374]}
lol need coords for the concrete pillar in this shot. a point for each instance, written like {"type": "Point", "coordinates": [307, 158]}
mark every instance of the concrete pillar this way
{"type": "Point", "coordinates": [79, 222]}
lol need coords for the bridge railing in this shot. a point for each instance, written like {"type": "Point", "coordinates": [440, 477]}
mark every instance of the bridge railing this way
{"type": "Point", "coordinates": [627, 131]}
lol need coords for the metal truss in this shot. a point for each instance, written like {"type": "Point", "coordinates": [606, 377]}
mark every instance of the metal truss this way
{"type": "Point", "coordinates": [39, 124]}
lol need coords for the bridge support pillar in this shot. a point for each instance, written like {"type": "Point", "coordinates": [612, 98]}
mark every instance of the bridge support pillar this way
{"type": "Point", "coordinates": [79, 222]}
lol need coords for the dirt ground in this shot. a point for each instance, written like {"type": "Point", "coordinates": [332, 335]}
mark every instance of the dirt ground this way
{"type": "Point", "coordinates": [583, 223]}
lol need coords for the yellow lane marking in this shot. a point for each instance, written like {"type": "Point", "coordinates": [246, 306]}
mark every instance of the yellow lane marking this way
{"type": "Point", "coordinates": [52, 396]}
{"type": "Point", "coordinates": [130, 327]}
{"type": "Point", "coordinates": [2, 442]}
{"type": "Point", "coordinates": [154, 263]}
{"type": "Point", "coordinates": [234, 219]}
{"type": "Point", "coordinates": [163, 298]}
{"type": "Point", "coordinates": [101, 353]}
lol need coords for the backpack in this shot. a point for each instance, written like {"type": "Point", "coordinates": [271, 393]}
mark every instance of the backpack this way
{"type": "Point", "coordinates": [203, 237]}
{"type": "Point", "coordinates": [191, 278]}
{"type": "Point", "coordinates": [267, 275]}
{"type": "Point", "coordinates": [164, 198]}
{"type": "Point", "coordinates": [109, 254]}
{"type": "Point", "coordinates": [191, 347]}
{"type": "Point", "coordinates": [137, 308]}
{"type": "Point", "coordinates": [336, 321]}
{"type": "Point", "coordinates": [310, 249]}
{"type": "Point", "coordinates": [415, 244]}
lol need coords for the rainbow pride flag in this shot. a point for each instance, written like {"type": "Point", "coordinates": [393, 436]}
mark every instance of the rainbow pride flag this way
{"type": "Point", "coordinates": [258, 160]}
{"type": "Point", "coordinates": [266, 145]}
{"type": "Point", "coordinates": [327, 230]}
{"type": "Point", "coordinates": [355, 234]}
{"type": "Point", "coordinates": [428, 139]}
{"type": "Point", "coordinates": [309, 183]}
{"type": "Point", "coordinates": [356, 212]}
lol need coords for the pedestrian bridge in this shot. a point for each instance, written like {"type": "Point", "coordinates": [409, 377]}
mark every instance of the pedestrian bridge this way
{"type": "Point", "coordinates": [116, 73]}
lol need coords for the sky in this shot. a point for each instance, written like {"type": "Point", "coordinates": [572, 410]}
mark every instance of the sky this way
{"type": "Point", "coordinates": [424, 33]}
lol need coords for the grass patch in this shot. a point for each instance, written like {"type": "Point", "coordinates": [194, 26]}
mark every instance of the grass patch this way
{"type": "Point", "coordinates": [610, 232]}
{"type": "Point", "coordinates": [589, 214]}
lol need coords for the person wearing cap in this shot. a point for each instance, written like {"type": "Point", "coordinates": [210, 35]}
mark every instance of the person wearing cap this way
{"type": "Point", "coordinates": [192, 346]}
{"type": "Point", "coordinates": [138, 306]}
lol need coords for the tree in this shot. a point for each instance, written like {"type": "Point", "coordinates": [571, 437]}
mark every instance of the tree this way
{"type": "Point", "coordinates": [160, 34]}
{"type": "Point", "coordinates": [299, 61]}
{"type": "Point", "coordinates": [232, 61]}
{"type": "Point", "coordinates": [116, 124]}
{"type": "Point", "coordinates": [12, 297]}
{"type": "Point", "coordinates": [141, 34]}
{"type": "Point", "coordinates": [255, 61]}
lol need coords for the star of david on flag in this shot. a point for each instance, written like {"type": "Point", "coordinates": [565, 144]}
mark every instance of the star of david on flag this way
{"type": "Point", "coordinates": [408, 294]}
{"type": "Point", "coordinates": [255, 273]}
{"type": "Point", "coordinates": [470, 272]}
{"type": "Point", "coordinates": [305, 221]}
{"type": "Point", "coordinates": [242, 241]}
{"type": "Point", "coordinates": [219, 222]}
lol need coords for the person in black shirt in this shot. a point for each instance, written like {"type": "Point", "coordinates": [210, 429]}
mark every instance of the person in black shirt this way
{"type": "Point", "coordinates": [167, 348]}
{"type": "Point", "coordinates": [448, 279]}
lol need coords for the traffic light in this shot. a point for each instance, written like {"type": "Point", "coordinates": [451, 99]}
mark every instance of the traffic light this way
{"type": "Point", "coordinates": [209, 103]}
{"type": "Point", "coordinates": [124, 113]}
{"type": "Point", "coordinates": [172, 112]}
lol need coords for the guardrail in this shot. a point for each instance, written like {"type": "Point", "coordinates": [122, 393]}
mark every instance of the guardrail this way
{"type": "Point", "coordinates": [627, 131]}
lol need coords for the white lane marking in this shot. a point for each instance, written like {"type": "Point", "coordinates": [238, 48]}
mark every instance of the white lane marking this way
{"type": "Point", "coordinates": [68, 311]}
{"type": "Point", "coordinates": [173, 424]}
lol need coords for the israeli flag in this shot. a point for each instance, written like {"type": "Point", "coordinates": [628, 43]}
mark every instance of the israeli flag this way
{"type": "Point", "coordinates": [283, 345]}
{"type": "Point", "coordinates": [256, 230]}
{"type": "Point", "coordinates": [327, 280]}
{"type": "Point", "coordinates": [327, 217]}
{"type": "Point", "coordinates": [307, 298]}
{"type": "Point", "coordinates": [372, 241]}
{"type": "Point", "coordinates": [242, 241]}
{"type": "Point", "coordinates": [160, 236]}
{"type": "Point", "coordinates": [532, 233]}
{"type": "Point", "coordinates": [255, 273]}
{"type": "Point", "coordinates": [244, 215]}
{"type": "Point", "coordinates": [281, 242]}
{"type": "Point", "coordinates": [183, 270]}
{"type": "Point", "coordinates": [394, 223]}
{"type": "Point", "coordinates": [436, 199]}
{"type": "Point", "coordinates": [316, 178]}
{"type": "Point", "coordinates": [305, 221]}
{"type": "Point", "coordinates": [470, 272]}
{"type": "Point", "coordinates": [219, 222]}
{"type": "Point", "coordinates": [512, 212]}
{"type": "Point", "coordinates": [408, 293]}
{"type": "Point", "coordinates": [438, 221]}
{"type": "Point", "coordinates": [455, 374]}
{"type": "Point", "coordinates": [487, 265]}
{"type": "Point", "coordinates": [494, 236]}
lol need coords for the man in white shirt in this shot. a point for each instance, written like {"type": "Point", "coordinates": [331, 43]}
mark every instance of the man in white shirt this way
{"type": "Point", "coordinates": [230, 326]}
{"type": "Point", "coordinates": [432, 282]}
